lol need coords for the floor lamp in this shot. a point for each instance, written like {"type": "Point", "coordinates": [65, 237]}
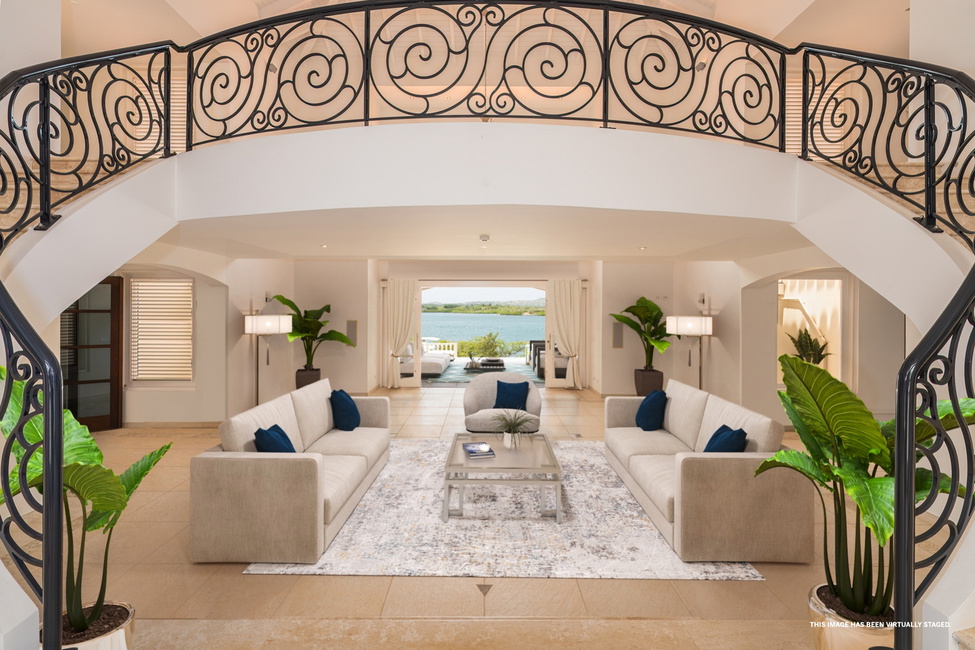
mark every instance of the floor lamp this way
{"type": "Point", "coordinates": [264, 325]}
{"type": "Point", "coordinates": [699, 326]}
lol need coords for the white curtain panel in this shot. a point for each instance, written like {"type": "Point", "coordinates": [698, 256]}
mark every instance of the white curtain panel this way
{"type": "Point", "coordinates": [566, 303]}
{"type": "Point", "coordinates": [400, 298]}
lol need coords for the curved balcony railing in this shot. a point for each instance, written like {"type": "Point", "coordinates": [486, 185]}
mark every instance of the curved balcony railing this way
{"type": "Point", "coordinates": [898, 125]}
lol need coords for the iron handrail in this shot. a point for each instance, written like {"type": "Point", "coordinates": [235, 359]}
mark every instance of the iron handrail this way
{"type": "Point", "coordinates": [25, 145]}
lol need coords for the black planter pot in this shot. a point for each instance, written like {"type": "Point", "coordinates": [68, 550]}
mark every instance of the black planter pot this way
{"type": "Point", "coordinates": [647, 381]}
{"type": "Point", "coordinates": [305, 376]}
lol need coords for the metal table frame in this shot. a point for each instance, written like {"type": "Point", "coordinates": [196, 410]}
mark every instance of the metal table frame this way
{"type": "Point", "coordinates": [532, 463]}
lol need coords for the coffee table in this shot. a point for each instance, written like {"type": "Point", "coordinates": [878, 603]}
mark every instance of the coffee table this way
{"type": "Point", "coordinates": [533, 462]}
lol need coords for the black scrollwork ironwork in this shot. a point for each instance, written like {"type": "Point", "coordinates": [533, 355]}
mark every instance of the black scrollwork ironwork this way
{"type": "Point", "coordinates": [29, 361]}
{"type": "Point", "coordinates": [939, 369]}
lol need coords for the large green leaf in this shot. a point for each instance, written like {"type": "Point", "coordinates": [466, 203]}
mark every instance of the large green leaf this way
{"type": "Point", "coordinates": [316, 314]}
{"type": "Point", "coordinates": [800, 462]}
{"type": "Point", "coordinates": [288, 303]}
{"type": "Point", "coordinates": [79, 447]}
{"type": "Point", "coordinates": [95, 484]}
{"type": "Point", "coordinates": [812, 444]}
{"type": "Point", "coordinates": [874, 496]}
{"type": "Point", "coordinates": [335, 335]}
{"type": "Point", "coordinates": [832, 412]}
{"type": "Point", "coordinates": [130, 479]}
{"type": "Point", "coordinates": [659, 346]}
{"type": "Point", "coordinates": [629, 322]}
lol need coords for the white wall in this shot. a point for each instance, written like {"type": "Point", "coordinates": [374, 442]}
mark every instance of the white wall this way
{"type": "Point", "coordinates": [205, 399]}
{"type": "Point", "coordinates": [345, 286]}
{"type": "Point", "coordinates": [30, 33]}
{"type": "Point", "coordinates": [720, 284]}
{"type": "Point", "coordinates": [19, 617]}
{"type": "Point", "coordinates": [622, 284]}
{"type": "Point", "coordinates": [941, 32]}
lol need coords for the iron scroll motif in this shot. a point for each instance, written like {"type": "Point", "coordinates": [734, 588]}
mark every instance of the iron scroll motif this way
{"type": "Point", "coordinates": [939, 369]}
{"type": "Point", "coordinates": [29, 361]}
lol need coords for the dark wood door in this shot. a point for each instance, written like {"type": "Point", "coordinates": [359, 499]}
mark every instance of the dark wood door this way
{"type": "Point", "coordinates": [91, 356]}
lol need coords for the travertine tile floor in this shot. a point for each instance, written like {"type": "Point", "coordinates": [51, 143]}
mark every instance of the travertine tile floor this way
{"type": "Point", "coordinates": [214, 606]}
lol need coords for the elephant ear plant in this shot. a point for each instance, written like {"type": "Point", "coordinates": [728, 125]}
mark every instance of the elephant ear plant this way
{"type": "Point", "coordinates": [650, 325]}
{"type": "Point", "coordinates": [102, 494]}
{"type": "Point", "coordinates": [849, 454]}
{"type": "Point", "coordinates": [308, 325]}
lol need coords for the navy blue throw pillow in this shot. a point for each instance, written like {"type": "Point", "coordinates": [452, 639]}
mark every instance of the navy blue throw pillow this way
{"type": "Point", "coordinates": [726, 439]}
{"type": "Point", "coordinates": [273, 439]}
{"type": "Point", "coordinates": [650, 415]}
{"type": "Point", "coordinates": [344, 411]}
{"type": "Point", "coordinates": [512, 395]}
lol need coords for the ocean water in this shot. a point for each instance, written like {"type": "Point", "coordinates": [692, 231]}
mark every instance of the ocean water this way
{"type": "Point", "coordinates": [464, 327]}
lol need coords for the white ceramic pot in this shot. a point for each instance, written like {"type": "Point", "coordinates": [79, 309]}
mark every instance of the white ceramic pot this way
{"type": "Point", "coordinates": [834, 632]}
{"type": "Point", "coordinates": [507, 440]}
{"type": "Point", "coordinates": [121, 638]}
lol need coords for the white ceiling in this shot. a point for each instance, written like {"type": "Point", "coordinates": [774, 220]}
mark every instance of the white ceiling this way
{"type": "Point", "coordinates": [516, 232]}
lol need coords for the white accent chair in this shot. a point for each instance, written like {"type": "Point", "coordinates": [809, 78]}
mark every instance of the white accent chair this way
{"type": "Point", "coordinates": [481, 395]}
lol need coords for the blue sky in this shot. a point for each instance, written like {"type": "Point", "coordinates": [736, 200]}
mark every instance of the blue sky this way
{"type": "Point", "coordinates": [480, 294]}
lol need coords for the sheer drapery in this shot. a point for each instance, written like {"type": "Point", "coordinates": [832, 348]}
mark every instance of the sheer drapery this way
{"type": "Point", "coordinates": [565, 300]}
{"type": "Point", "coordinates": [400, 299]}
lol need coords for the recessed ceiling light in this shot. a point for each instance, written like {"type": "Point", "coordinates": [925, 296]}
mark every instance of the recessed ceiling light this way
{"type": "Point", "coordinates": [643, 248]}
{"type": "Point", "coordinates": [324, 245]}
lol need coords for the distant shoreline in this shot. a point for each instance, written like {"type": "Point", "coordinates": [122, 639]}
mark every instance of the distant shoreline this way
{"type": "Point", "coordinates": [484, 308]}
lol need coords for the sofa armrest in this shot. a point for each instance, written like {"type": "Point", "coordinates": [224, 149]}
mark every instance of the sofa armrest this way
{"type": "Point", "coordinates": [621, 411]}
{"type": "Point", "coordinates": [374, 411]}
{"type": "Point", "coordinates": [256, 507]}
{"type": "Point", "coordinates": [723, 512]}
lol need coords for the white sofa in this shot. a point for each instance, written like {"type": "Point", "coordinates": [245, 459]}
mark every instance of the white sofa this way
{"type": "Point", "coordinates": [711, 506]}
{"type": "Point", "coordinates": [249, 506]}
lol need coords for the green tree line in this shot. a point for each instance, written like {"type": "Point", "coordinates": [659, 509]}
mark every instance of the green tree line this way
{"type": "Point", "coordinates": [489, 345]}
{"type": "Point", "coordinates": [484, 308]}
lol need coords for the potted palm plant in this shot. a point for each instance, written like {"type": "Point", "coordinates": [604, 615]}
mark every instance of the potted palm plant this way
{"type": "Point", "coordinates": [650, 325]}
{"type": "Point", "coordinates": [849, 456]}
{"type": "Point", "coordinates": [808, 347]}
{"type": "Point", "coordinates": [307, 326]}
{"type": "Point", "coordinates": [102, 496]}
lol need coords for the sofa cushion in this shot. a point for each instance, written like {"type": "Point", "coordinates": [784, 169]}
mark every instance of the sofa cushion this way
{"type": "Point", "coordinates": [726, 440]}
{"type": "Point", "coordinates": [312, 410]}
{"type": "Point", "coordinates": [341, 475]}
{"type": "Point", "coordinates": [685, 409]}
{"type": "Point", "coordinates": [367, 442]}
{"type": "Point", "coordinates": [237, 433]}
{"type": "Point", "coordinates": [345, 415]}
{"type": "Point", "coordinates": [273, 440]}
{"type": "Point", "coordinates": [483, 421]}
{"type": "Point", "coordinates": [628, 442]}
{"type": "Point", "coordinates": [656, 475]}
{"type": "Point", "coordinates": [650, 415]}
{"type": "Point", "coordinates": [764, 433]}
{"type": "Point", "coordinates": [511, 395]}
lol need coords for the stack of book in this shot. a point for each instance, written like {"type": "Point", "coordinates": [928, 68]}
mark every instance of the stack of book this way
{"type": "Point", "coordinates": [478, 450]}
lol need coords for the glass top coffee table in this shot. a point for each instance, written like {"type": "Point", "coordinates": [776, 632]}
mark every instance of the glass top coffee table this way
{"type": "Point", "coordinates": [532, 462]}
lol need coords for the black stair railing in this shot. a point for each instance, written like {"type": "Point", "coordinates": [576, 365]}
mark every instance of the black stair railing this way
{"type": "Point", "coordinates": [899, 125]}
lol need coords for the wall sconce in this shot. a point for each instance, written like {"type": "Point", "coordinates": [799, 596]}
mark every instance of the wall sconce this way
{"type": "Point", "coordinates": [264, 325]}
{"type": "Point", "coordinates": [699, 326]}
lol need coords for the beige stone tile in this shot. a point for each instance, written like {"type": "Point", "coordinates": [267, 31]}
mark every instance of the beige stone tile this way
{"type": "Point", "coordinates": [228, 594]}
{"type": "Point", "coordinates": [167, 506]}
{"type": "Point", "coordinates": [426, 420]}
{"type": "Point", "coordinates": [212, 635]}
{"type": "Point", "coordinates": [731, 600]}
{"type": "Point", "coordinates": [655, 599]}
{"type": "Point", "coordinates": [481, 635]}
{"type": "Point", "coordinates": [133, 541]}
{"type": "Point", "coordinates": [335, 597]}
{"type": "Point", "coordinates": [419, 431]}
{"type": "Point", "coordinates": [162, 479]}
{"type": "Point", "coordinates": [527, 597]}
{"type": "Point", "coordinates": [791, 583]}
{"type": "Point", "coordinates": [420, 597]}
{"type": "Point", "coordinates": [175, 551]}
{"type": "Point", "coordinates": [158, 590]}
{"type": "Point", "coordinates": [751, 635]}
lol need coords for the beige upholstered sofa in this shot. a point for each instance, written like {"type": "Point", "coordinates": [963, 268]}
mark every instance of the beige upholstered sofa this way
{"type": "Point", "coordinates": [248, 506]}
{"type": "Point", "coordinates": [711, 506]}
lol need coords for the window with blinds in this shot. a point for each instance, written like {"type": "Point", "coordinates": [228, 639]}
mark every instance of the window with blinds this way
{"type": "Point", "coordinates": [829, 138]}
{"type": "Point", "coordinates": [161, 329]}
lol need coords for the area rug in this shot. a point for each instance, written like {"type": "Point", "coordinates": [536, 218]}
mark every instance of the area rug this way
{"type": "Point", "coordinates": [397, 529]}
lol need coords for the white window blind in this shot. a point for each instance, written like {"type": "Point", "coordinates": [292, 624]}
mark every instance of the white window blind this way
{"type": "Point", "coordinates": [828, 138]}
{"type": "Point", "coordinates": [161, 329]}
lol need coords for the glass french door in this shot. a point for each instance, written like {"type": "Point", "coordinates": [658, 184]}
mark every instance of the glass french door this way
{"type": "Point", "coordinates": [91, 356]}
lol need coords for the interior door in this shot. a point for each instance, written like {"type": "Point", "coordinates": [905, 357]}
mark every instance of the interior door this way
{"type": "Point", "coordinates": [91, 356]}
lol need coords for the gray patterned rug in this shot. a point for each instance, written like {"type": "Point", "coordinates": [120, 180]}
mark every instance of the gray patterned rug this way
{"type": "Point", "coordinates": [397, 529]}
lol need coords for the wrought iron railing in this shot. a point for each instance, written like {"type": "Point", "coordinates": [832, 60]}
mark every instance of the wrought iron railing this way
{"type": "Point", "coordinates": [30, 361]}
{"type": "Point", "coordinates": [899, 125]}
